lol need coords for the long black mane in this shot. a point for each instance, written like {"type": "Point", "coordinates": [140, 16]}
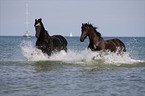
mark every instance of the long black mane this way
{"type": "Point", "coordinates": [91, 26]}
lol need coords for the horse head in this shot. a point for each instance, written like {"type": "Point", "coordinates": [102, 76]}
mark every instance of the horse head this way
{"type": "Point", "coordinates": [85, 32]}
{"type": "Point", "coordinates": [38, 27]}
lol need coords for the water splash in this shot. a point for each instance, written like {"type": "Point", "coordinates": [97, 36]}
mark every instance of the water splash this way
{"type": "Point", "coordinates": [91, 58]}
{"type": "Point", "coordinates": [31, 52]}
{"type": "Point", "coordinates": [76, 57]}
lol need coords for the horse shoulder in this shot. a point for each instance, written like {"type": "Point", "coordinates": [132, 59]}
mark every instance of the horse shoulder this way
{"type": "Point", "coordinates": [99, 44]}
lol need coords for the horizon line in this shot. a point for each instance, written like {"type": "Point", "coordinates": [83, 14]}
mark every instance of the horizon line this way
{"type": "Point", "coordinates": [66, 36]}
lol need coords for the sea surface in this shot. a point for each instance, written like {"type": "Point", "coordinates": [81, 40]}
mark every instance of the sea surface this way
{"type": "Point", "coordinates": [26, 71]}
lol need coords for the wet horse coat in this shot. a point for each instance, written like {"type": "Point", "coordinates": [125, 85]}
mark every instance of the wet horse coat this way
{"type": "Point", "coordinates": [47, 43]}
{"type": "Point", "coordinates": [97, 43]}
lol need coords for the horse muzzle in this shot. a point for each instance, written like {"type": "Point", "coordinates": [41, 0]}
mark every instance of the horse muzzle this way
{"type": "Point", "coordinates": [82, 39]}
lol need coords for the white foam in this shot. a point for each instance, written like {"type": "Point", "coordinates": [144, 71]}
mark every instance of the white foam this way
{"type": "Point", "coordinates": [76, 57]}
{"type": "Point", "coordinates": [89, 57]}
{"type": "Point", "coordinates": [32, 53]}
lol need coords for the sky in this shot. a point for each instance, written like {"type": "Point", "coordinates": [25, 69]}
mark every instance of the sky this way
{"type": "Point", "coordinates": [112, 17]}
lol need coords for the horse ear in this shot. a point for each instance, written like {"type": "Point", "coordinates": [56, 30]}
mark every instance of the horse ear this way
{"type": "Point", "coordinates": [39, 20]}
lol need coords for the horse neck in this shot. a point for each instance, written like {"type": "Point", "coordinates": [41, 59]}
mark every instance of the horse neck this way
{"type": "Point", "coordinates": [44, 34]}
{"type": "Point", "coordinates": [93, 37]}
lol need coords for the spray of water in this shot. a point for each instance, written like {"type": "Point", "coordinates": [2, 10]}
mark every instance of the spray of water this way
{"type": "Point", "coordinates": [76, 57]}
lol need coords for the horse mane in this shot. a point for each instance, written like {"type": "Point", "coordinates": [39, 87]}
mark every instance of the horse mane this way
{"type": "Point", "coordinates": [90, 25]}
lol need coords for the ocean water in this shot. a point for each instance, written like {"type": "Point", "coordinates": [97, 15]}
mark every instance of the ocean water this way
{"type": "Point", "coordinates": [26, 71]}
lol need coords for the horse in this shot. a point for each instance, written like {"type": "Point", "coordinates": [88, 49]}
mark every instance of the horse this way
{"type": "Point", "coordinates": [97, 43]}
{"type": "Point", "coordinates": [48, 44]}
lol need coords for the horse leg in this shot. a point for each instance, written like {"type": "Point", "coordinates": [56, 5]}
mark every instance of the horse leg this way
{"type": "Point", "coordinates": [90, 47]}
{"type": "Point", "coordinates": [65, 49]}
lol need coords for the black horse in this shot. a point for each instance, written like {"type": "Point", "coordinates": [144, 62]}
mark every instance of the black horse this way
{"type": "Point", "coordinates": [47, 43]}
{"type": "Point", "coordinates": [97, 43]}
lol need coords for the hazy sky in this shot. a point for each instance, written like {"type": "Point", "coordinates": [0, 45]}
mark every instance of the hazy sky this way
{"type": "Point", "coordinates": [112, 17]}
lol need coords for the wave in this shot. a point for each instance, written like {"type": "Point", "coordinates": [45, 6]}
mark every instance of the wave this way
{"type": "Point", "coordinates": [31, 53]}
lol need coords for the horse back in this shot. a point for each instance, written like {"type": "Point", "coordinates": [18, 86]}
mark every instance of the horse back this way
{"type": "Point", "coordinates": [115, 44]}
{"type": "Point", "coordinates": [59, 42]}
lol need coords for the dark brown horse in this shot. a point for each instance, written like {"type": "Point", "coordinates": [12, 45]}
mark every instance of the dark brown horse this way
{"type": "Point", "coordinates": [47, 43]}
{"type": "Point", "coordinates": [97, 42]}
